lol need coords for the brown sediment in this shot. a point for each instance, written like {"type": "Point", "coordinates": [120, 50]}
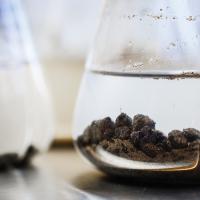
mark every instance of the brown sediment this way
{"type": "Point", "coordinates": [184, 75]}
{"type": "Point", "coordinates": [139, 140]}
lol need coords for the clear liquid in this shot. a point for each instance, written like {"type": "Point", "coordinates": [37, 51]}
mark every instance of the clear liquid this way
{"type": "Point", "coordinates": [172, 104]}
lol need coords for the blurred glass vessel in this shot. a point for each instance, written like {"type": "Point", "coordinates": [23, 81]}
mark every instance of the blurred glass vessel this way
{"type": "Point", "coordinates": [25, 117]}
{"type": "Point", "coordinates": [144, 64]}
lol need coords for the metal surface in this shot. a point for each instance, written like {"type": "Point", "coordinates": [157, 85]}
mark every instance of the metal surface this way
{"type": "Point", "coordinates": [61, 175]}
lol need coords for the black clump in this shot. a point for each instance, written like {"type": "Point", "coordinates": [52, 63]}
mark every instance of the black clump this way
{"type": "Point", "coordinates": [159, 136]}
{"type": "Point", "coordinates": [7, 161]}
{"type": "Point", "coordinates": [12, 160]}
{"type": "Point", "coordinates": [123, 120]}
{"type": "Point", "coordinates": [135, 138]}
{"type": "Point", "coordinates": [92, 134]}
{"type": "Point", "coordinates": [191, 134]}
{"type": "Point", "coordinates": [147, 135]}
{"type": "Point", "coordinates": [107, 127]}
{"type": "Point", "coordinates": [97, 131]}
{"type": "Point", "coordinates": [123, 132]}
{"type": "Point", "coordinates": [108, 134]}
{"type": "Point", "coordinates": [165, 144]}
{"type": "Point", "coordinates": [140, 138]}
{"type": "Point", "coordinates": [105, 124]}
{"type": "Point", "coordinates": [177, 139]}
{"type": "Point", "coordinates": [140, 121]}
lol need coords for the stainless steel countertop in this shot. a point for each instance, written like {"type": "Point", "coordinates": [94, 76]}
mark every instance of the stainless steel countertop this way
{"type": "Point", "coordinates": [61, 175]}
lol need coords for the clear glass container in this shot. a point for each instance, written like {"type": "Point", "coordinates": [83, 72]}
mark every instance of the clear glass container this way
{"type": "Point", "coordinates": [25, 117]}
{"type": "Point", "coordinates": [137, 112]}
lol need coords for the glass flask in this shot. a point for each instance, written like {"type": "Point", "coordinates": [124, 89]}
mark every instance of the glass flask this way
{"type": "Point", "coordinates": [25, 117]}
{"type": "Point", "coordinates": [137, 114]}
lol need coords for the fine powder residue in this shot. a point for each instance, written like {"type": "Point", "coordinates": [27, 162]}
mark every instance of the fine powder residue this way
{"type": "Point", "coordinates": [139, 140]}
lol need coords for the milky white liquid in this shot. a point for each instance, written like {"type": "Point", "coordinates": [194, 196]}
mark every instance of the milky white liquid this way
{"type": "Point", "coordinates": [14, 130]}
{"type": "Point", "coordinates": [172, 104]}
{"type": "Point", "coordinates": [24, 111]}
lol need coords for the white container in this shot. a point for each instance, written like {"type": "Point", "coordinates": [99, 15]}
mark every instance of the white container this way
{"type": "Point", "coordinates": [26, 115]}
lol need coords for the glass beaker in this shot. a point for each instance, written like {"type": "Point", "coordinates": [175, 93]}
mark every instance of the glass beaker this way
{"type": "Point", "coordinates": [25, 117]}
{"type": "Point", "coordinates": [137, 112]}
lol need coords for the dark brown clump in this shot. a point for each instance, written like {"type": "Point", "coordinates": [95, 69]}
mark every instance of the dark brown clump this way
{"type": "Point", "coordinates": [191, 134]}
{"type": "Point", "coordinates": [97, 131]}
{"type": "Point", "coordinates": [139, 121]}
{"type": "Point", "coordinates": [146, 135]}
{"type": "Point", "coordinates": [107, 127]}
{"type": "Point", "coordinates": [92, 134]}
{"type": "Point", "coordinates": [106, 124]}
{"type": "Point", "coordinates": [123, 120]}
{"type": "Point", "coordinates": [177, 139]}
{"type": "Point", "coordinates": [151, 149]}
{"type": "Point", "coordinates": [139, 140]}
{"type": "Point", "coordinates": [122, 132]}
{"type": "Point", "coordinates": [135, 138]}
{"type": "Point", "coordinates": [165, 145]}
